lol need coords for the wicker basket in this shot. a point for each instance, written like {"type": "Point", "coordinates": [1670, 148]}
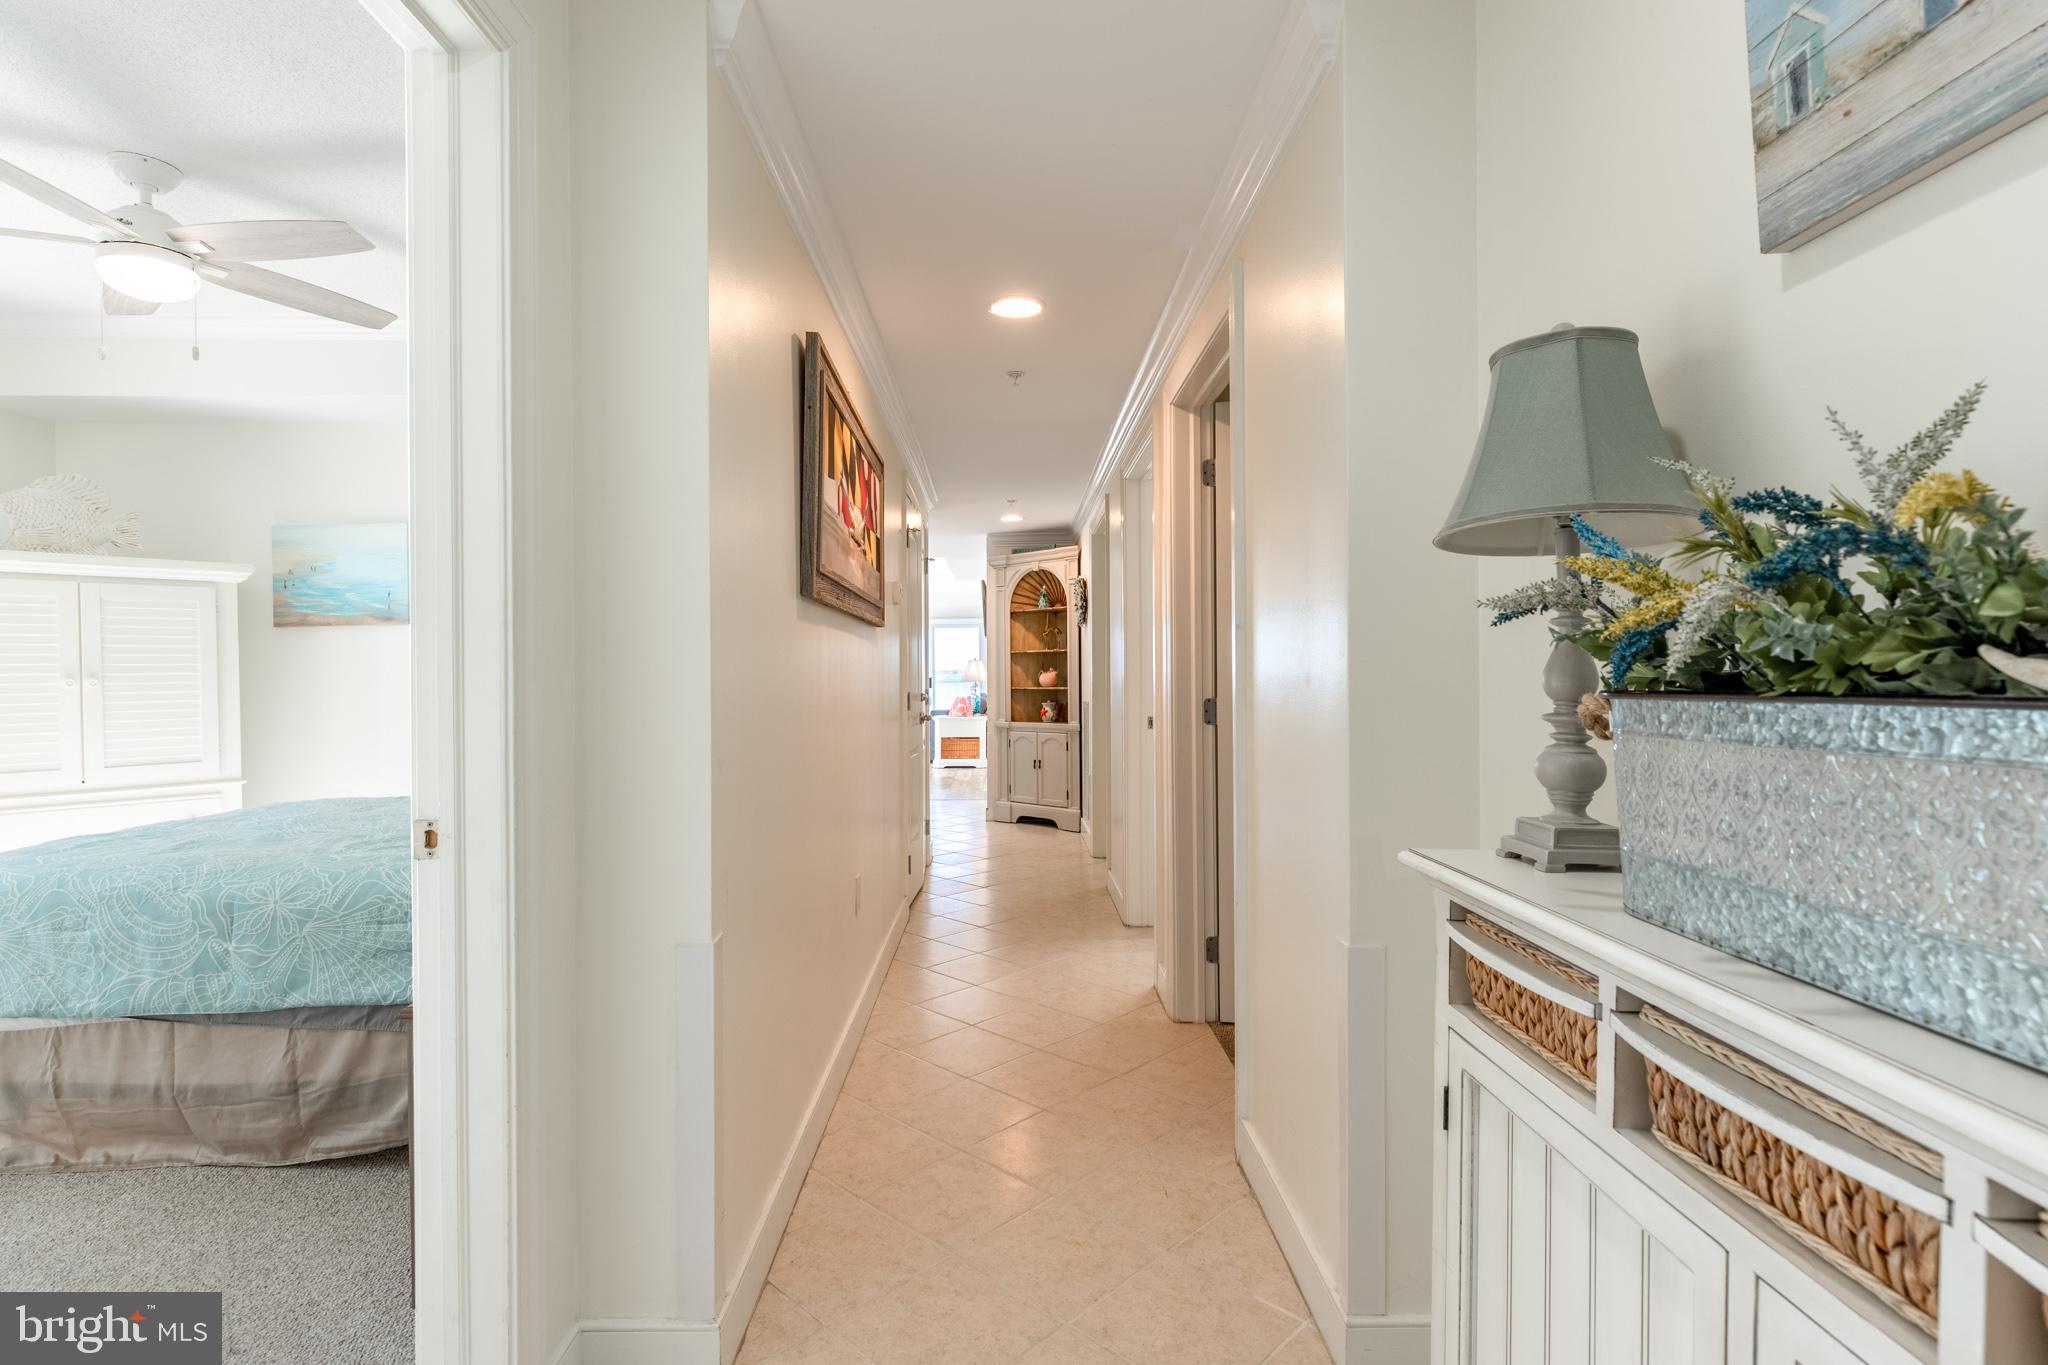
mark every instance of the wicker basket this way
{"type": "Point", "coordinates": [1567, 1040]}
{"type": "Point", "coordinates": [1892, 1250]}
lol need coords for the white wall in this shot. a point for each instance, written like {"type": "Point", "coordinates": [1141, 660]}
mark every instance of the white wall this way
{"type": "Point", "coordinates": [27, 449]}
{"type": "Point", "coordinates": [1615, 186]}
{"type": "Point", "coordinates": [1288, 414]}
{"type": "Point", "coordinates": [810, 722]}
{"type": "Point", "coordinates": [1413, 404]}
{"type": "Point", "coordinates": [325, 711]}
{"type": "Point", "coordinates": [642, 528]}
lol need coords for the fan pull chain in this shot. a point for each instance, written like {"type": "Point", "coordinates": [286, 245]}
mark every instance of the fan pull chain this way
{"type": "Point", "coordinates": [195, 320]}
{"type": "Point", "coordinates": [103, 330]}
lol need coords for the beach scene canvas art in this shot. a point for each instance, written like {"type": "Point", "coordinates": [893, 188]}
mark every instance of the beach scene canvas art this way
{"type": "Point", "coordinates": [345, 574]}
{"type": "Point", "coordinates": [1851, 101]}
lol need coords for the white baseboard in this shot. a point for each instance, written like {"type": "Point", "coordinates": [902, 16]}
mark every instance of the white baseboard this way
{"type": "Point", "coordinates": [636, 1341]}
{"type": "Point", "coordinates": [633, 1341]}
{"type": "Point", "coordinates": [745, 1292]}
{"type": "Point", "coordinates": [1116, 896]}
{"type": "Point", "coordinates": [1393, 1339]}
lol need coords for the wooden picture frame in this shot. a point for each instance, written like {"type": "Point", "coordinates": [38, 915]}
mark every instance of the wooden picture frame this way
{"type": "Point", "coordinates": [842, 551]}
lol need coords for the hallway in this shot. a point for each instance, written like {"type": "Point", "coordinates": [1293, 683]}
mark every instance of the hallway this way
{"type": "Point", "coordinates": [1029, 1160]}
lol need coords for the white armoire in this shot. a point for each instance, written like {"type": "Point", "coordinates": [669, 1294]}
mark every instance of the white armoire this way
{"type": "Point", "coordinates": [1035, 744]}
{"type": "Point", "coordinates": [120, 696]}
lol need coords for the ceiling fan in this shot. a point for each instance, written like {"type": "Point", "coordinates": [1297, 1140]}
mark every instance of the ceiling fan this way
{"type": "Point", "coordinates": [145, 257]}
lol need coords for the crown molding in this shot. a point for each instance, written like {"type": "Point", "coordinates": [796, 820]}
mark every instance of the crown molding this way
{"type": "Point", "coordinates": [1301, 55]}
{"type": "Point", "coordinates": [746, 59]}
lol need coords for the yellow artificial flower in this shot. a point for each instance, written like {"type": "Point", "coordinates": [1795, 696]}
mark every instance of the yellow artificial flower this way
{"type": "Point", "coordinates": [1642, 579]}
{"type": "Point", "coordinates": [1651, 611]}
{"type": "Point", "coordinates": [1938, 493]}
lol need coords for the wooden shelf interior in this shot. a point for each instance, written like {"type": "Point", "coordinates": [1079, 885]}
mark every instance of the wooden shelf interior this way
{"type": "Point", "coordinates": [1038, 641]}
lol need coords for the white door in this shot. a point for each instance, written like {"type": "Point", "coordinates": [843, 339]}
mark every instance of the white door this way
{"type": "Point", "coordinates": [151, 681]}
{"type": "Point", "coordinates": [39, 685]}
{"type": "Point", "coordinates": [1141, 662]}
{"type": "Point", "coordinates": [1056, 769]}
{"type": "Point", "coordinates": [917, 764]}
{"type": "Point", "coordinates": [1020, 765]}
{"type": "Point", "coordinates": [1564, 1258]}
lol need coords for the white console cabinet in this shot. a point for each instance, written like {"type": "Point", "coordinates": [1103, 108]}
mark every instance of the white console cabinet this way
{"type": "Point", "coordinates": [120, 697]}
{"type": "Point", "coordinates": [1568, 1230]}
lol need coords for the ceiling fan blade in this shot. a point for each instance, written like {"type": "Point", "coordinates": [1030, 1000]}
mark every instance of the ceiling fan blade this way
{"type": "Point", "coordinates": [116, 304]}
{"type": "Point", "coordinates": [47, 236]}
{"type": "Point", "coordinates": [259, 283]}
{"type": "Point", "coordinates": [44, 191]}
{"type": "Point", "coordinates": [279, 240]}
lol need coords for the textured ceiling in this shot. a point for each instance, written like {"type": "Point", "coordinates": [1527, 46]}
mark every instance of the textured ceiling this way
{"type": "Point", "coordinates": [272, 110]}
{"type": "Point", "coordinates": [1061, 148]}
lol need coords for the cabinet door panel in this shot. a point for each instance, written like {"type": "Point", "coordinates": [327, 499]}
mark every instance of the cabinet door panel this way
{"type": "Point", "coordinates": [152, 681]}
{"type": "Point", "coordinates": [1566, 1258]}
{"type": "Point", "coordinates": [39, 685]}
{"type": "Point", "coordinates": [1055, 770]}
{"type": "Point", "coordinates": [1786, 1336]}
{"type": "Point", "coordinates": [1022, 767]}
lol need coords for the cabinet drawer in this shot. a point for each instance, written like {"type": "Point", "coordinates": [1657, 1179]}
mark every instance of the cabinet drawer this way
{"type": "Point", "coordinates": [1786, 1336]}
{"type": "Point", "coordinates": [1549, 1005]}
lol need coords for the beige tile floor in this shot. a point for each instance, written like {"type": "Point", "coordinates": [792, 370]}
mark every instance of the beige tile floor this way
{"type": "Point", "coordinates": [1029, 1160]}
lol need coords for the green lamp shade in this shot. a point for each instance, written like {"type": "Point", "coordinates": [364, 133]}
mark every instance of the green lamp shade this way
{"type": "Point", "coordinates": [1569, 428]}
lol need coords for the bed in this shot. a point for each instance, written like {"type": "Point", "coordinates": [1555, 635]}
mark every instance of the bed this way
{"type": "Point", "coordinates": [222, 990]}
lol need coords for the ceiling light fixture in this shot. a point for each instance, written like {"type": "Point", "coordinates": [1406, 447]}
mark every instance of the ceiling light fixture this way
{"type": "Point", "coordinates": [1016, 306]}
{"type": "Point", "coordinates": [143, 270]}
{"type": "Point", "coordinates": [1013, 514]}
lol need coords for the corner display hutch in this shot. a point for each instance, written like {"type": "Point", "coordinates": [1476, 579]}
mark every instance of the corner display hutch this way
{"type": "Point", "coordinates": [1035, 757]}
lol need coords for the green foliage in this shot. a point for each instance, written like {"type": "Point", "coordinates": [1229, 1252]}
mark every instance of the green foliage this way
{"type": "Point", "coordinates": [1892, 596]}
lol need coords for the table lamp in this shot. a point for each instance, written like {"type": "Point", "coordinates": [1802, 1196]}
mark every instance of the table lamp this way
{"type": "Point", "coordinates": [976, 674]}
{"type": "Point", "coordinates": [1569, 428]}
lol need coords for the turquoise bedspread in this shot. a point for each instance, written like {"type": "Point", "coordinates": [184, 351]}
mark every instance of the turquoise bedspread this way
{"type": "Point", "coordinates": [302, 903]}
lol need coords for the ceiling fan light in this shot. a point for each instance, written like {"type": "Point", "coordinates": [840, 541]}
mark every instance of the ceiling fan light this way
{"type": "Point", "coordinates": [144, 271]}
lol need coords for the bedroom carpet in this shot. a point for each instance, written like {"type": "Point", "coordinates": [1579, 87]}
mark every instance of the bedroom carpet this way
{"type": "Point", "coordinates": [312, 1259]}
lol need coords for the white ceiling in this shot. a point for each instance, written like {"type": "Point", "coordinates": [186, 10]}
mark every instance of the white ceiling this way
{"type": "Point", "coordinates": [1061, 148]}
{"type": "Point", "coordinates": [272, 110]}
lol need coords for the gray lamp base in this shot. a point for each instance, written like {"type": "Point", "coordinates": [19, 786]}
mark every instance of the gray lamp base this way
{"type": "Point", "coordinates": [1555, 845]}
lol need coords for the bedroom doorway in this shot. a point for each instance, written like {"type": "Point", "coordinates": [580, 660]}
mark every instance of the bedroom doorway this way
{"type": "Point", "coordinates": [245, 648]}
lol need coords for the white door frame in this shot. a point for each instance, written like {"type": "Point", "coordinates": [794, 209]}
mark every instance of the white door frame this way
{"type": "Point", "coordinates": [1200, 853]}
{"type": "Point", "coordinates": [1097, 768]}
{"type": "Point", "coordinates": [915, 669]}
{"type": "Point", "coordinates": [471, 212]}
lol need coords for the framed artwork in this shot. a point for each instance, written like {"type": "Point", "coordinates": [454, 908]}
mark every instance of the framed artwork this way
{"type": "Point", "coordinates": [840, 500]}
{"type": "Point", "coordinates": [346, 574]}
{"type": "Point", "coordinates": [1851, 101]}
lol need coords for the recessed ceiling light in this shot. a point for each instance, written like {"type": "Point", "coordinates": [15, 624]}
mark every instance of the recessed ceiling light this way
{"type": "Point", "coordinates": [1016, 306]}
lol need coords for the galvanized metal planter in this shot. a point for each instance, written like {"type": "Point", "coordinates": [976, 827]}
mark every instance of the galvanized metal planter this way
{"type": "Point", "coordinates": [1894, 851]}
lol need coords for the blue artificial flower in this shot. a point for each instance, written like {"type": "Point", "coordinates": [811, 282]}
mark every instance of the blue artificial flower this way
{"type": "Point", "coordinates": [1629, 648]}
{"type": "Point", "coordinates": [1822, 550]}
{"type": "Point", "coordinates": [1501, 618]}
{"type": "Point", "coordinates": [1783, 505]}
{"type": "Point", "coordinates": [1600, 544]}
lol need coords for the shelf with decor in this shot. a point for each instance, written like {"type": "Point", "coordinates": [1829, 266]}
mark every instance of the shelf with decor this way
{"type": "Point", "coordinates": [1036, 748]}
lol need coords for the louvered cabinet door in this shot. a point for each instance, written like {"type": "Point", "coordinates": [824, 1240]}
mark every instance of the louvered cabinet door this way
{"type": "Point", "coordinates": [152, 681]}
{"type": "Point", "coordinates": [39, 685]}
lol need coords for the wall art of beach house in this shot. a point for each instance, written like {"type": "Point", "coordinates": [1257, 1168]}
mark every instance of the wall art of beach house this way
{"type": "Point", "coordinates": [1851, 101]}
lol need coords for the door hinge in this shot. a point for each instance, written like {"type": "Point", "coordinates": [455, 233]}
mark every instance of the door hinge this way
{"type": "Point", "coordinates": [426, 840]}
{"type": "Point", "coordinates": [1211, 949]}
{"type": "Point", "coordinates": [910, 864]}
{"type": "Point", "coordinates": [1447, 1109]}
{"type": "Point", "coordinates": [1208, 710]}
{"type": "Point", "coordinates": [1208, 473]}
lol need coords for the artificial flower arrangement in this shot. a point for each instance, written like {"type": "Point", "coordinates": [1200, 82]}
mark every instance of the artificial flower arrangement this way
{"type": "Point", "coordinates": [1953, 600]}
